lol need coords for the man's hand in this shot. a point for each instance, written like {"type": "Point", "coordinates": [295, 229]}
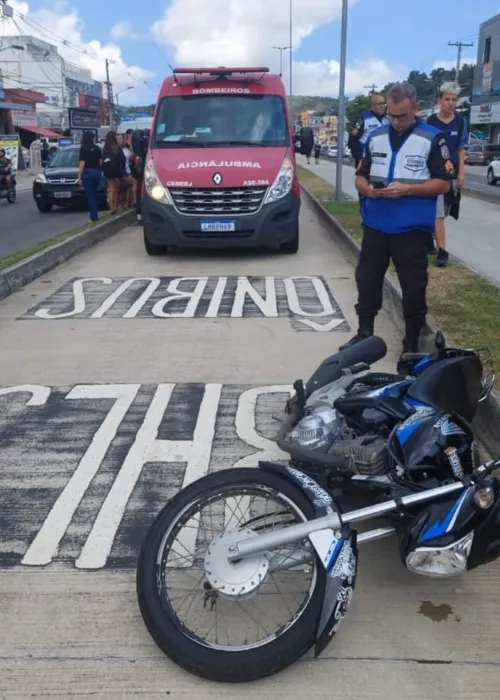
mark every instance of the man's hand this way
{"type": "Point", "coordinates": [460, 180]}
{"type": "Point", "coordinates": [394, 190]}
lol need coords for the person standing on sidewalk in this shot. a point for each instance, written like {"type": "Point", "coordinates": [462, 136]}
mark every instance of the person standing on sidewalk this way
{"type": "Point", "coordinates": [454, 127]}
{"type": "Point", "coordinates": [404, 169]}
{"type": "Point", "coordinates": [368, 121]}
{"type": "Point", "coordinates": [113, 165]}
{"type": "Point", "coordinates": [90, 171]}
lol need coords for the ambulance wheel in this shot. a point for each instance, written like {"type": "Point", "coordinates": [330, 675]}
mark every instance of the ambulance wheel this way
{"type": "Point", "coordinates": [292, 246]}
{"type": "Point", "coordinates": [154, 248]}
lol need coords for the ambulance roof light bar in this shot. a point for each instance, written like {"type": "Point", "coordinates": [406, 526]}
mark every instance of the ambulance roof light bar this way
{"type": "Point", "coordinates": [220, 71]}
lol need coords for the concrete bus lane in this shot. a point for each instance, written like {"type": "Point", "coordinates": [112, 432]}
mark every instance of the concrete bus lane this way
{"type": "Point", "coordinates": [124, 378]}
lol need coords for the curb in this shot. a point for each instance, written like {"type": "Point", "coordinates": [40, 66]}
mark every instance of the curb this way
{"type": "Point", "coordinates": [24, 272]}
{"type": "Point", "coordinates": [483, 196]}
{"type": "Point", "coordinates": [487, 421]}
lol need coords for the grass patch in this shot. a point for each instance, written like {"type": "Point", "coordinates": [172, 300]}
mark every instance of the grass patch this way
{"type": "Point", "coordinates": [465, 305]}
{"type": "Point", "coordinates": [21, 255]}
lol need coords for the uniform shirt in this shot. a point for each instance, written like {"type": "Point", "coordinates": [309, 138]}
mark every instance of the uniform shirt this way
{"type": "Point", "coordinates": [416, 155]}
{"type": "Point", "coordinates": [455, 133]}
{"type": "Point", "coordinates": [366, 124]}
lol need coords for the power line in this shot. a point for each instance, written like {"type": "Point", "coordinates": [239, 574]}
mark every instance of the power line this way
{"type": "Point", "coordinates": [459, 45]}
{"type": "Point", "coordinates": [371, 87]}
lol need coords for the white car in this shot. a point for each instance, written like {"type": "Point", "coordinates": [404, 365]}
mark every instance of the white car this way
{"type": "Point", "coordinates": [332, 152]}
{"type": "Point", "coordinates": [493, 172]}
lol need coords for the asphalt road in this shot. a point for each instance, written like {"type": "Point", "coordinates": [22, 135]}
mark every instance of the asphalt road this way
{"type": "Point", "coordinates": [476, 180]}
{"type": "Point", "coordinates": [122, 382]}
{"type": "Point", "coordinates": [22, 225]}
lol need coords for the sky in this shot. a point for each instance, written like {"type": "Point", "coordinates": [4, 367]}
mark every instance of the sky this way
{"type": "Point", "coordinates": [386, 38]}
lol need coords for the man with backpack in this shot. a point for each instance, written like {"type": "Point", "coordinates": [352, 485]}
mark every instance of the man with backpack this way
{"type": "Point", "coordinates": [454, 127]}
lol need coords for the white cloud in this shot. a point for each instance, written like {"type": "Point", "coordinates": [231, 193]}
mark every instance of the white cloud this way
{"type": "Point", "coordinates": [124, 30]}
{"type": "Point", "coordinates": [243, 32]}
{"type": "Point", "coordinates": [62, 26]}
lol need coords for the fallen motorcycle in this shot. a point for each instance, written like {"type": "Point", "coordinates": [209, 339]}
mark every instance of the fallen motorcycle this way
{"type": "Point", "coordinates": [270, 548]}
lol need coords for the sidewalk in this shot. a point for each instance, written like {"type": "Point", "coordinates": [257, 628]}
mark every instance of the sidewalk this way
{"type": "Point", "coordinates": [474, 238]}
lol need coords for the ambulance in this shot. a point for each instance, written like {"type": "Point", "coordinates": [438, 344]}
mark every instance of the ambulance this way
{"type": "Point", "coordinates": [220, 169]}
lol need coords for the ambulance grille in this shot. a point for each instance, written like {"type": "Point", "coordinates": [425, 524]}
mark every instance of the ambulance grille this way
{"type": "Point", "coordinates": [230, 200]}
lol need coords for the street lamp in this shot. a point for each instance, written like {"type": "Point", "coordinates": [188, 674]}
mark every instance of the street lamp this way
{"type": "Point", "coordinates": [290, 41]}
{"type": "Point", "coordinates": [281, 49]}
{"type": "Point", "coordinates": [130, 87]}
{"type": "Point", "coordinates": [341, 121]}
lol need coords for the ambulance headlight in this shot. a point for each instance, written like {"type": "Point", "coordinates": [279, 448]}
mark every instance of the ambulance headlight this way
{"type": "Point", "coordinates": [441, 561]}
{"type": "Point", "coordinates": [153, 185]}
{"type": "Point", "coordinates": [282, 184]}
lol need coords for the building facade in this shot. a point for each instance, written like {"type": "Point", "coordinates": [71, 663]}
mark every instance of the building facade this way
{"type": "Point", "coordinates": [29, 63]}
{"type": "Point", "coordinates": [485, 103]}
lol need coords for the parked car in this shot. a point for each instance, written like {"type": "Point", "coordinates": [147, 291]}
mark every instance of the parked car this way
{"type": "Point", "coordinates": [57, 185]}
{"type": "Point", "coordinates": [332, 152]}
{"type": "Point", "coordinates": [493, 172]}
{"type": "Point", "coordinates": [482, 154]}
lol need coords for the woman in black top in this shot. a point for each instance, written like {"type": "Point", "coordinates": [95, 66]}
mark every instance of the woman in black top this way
{"type": "Point", "coordinates": [89, 171]}
{"type": "Point", "coordinates": [113, 166]}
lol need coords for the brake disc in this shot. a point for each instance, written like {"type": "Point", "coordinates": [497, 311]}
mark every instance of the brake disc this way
{"type": "Point", "coordinates": [239, 579]}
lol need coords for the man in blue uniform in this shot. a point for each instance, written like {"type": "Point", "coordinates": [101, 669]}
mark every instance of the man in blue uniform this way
{"type": "Point", "coordinates": [406, 166]}
{"type": "Point", "coordinates": [369, 120]}
{"type": "Point", "coordinates": [454, 127]}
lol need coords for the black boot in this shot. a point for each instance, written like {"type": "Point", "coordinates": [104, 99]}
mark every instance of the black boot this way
{"type": "Point", "coordinates": [365, 330]}
{"type": "Point", "coordinates": [410, 345]}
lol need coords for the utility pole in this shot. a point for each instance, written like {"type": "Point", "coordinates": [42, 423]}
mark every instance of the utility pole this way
{"type": "Point", "coordinates": [110, 96]}
{"type": "Point", "coordinates": [341, 120]}
{"type": "Point", "coordinates": [372, 88]}
{"type": "Point", "coordinates": [460, 45]}
{"type": "Point", "coordinates": [290, 41]}
{"type": "Point", "coordinates": [281, 49]}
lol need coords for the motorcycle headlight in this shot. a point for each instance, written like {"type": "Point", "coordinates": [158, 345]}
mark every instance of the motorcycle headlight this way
{"type": "Point", "coordinates": [153, 185]}
{"type": "Point", "coordinates": [443, 561]}
{"type": "Point", "coordinates": [41, 178]}
{"type": "Point", "coordinates": [282, 184]}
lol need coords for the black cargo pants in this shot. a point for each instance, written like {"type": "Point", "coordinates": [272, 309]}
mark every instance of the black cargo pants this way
{"type": "Point", "coordinates": [408, 252]}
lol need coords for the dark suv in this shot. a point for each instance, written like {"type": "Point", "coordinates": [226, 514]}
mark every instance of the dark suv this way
{"type": "Point", "coordinates": [57, 185]}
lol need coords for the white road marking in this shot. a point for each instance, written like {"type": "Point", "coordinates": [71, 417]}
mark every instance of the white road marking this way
{"type": "Point", "coordinates": [44, 546]}
{"type": "Point", "coordinates": [147, 448]}
{"type": "Point", "coordinates": [268, 306]}
{"type": "Point", "coordinates": [193, 297]}
{"type": "Point", "coordinates": [79, 304]}
{"type": "Point", "coordinates": [321, 293]}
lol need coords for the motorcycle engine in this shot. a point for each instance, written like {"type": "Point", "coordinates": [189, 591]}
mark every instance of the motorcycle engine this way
{"type": "Point", "coordinates": [325, 430]}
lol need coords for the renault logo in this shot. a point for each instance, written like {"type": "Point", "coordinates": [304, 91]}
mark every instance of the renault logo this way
{"type": "Point", "coordinates": [217, 179]}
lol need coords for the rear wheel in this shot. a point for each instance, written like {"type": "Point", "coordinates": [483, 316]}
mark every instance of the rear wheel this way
{"type": "Point", "coordinates": [43, 207]}
{"type": "Point", "coordinates": [154, 248]}
{"type": "Point", "coordinates": [291, 247]}
{"type": "Point", "coordinates": [184, 552]}
{"type": "Point", "coordinates": [12, 196]}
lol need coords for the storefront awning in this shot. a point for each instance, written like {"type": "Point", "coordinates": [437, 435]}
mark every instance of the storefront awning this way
{"type": "Point", "coordinates": [39, 131]}
{"type": "Point", "coordinates": [15, 106]}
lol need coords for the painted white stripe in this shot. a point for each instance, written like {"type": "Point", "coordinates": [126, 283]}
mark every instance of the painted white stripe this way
{"type": "Point", "coordinates": [192, 297]}
{"type": "Point", "coordinates": [108, 303]}
{"type": "Point", "coordinates": [267, 305]}
{"type": "Point", "coordinates": [39, 394]}
{"type": "Point", "coordinates": [145, 296]}
{"type": "Point", "coordinates": [44, 546]}
{"type": "Point", "coordinates": [147, 448]}
{"type": "Point", "coordinates": [79, 304]}
{"type": "Point", "coordinates": [321, 293]}
{"type": "Point", "coordinates": [217, 296]}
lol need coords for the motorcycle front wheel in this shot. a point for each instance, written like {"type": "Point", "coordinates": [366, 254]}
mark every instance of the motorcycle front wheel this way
{"type": "Point", "coordinates": [189, 595]}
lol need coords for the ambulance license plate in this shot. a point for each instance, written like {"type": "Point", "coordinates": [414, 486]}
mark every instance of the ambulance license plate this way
{"type": "Point", "coordinates": [218, 226]}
